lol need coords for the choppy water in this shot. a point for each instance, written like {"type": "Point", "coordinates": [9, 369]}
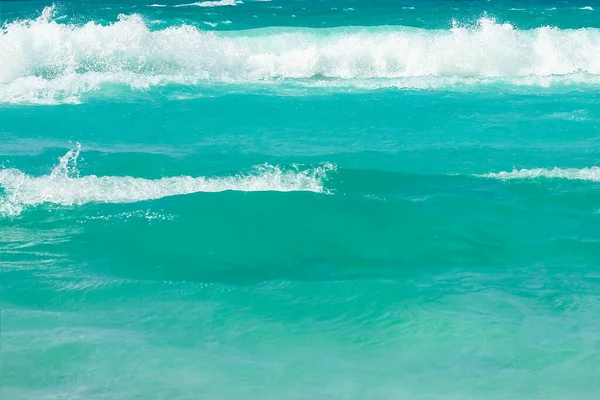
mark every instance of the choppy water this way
{"type": "Point", "coordinates": [300, 199]}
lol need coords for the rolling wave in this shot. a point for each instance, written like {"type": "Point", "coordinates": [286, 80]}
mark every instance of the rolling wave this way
{"type": "Point", "coordinates": [591, 174]}
{"type": "Point", "coordinates": [44, 61]}
{"type": "Point", "coordinates": [64, 185]}
{"type": "Point", "coordinates": [219, 3]}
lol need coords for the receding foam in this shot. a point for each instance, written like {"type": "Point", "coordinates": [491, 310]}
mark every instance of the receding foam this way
{"type": "Point", "coordinates": [64, 186]}
{"type": "Point", "coordinates": [45, 61]}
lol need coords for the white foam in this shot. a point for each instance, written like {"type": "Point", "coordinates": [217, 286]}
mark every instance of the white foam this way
{"type": "Point", "coordinates": [587, 8]}
{"type": "Point", "coordinates": [64, 185]}
{"type": "Point", "coordinates": [219, 3]}
{"type": "Point", "coordinates": [591, 174]}
{"type": "Point", "coordinates": [43, 61]}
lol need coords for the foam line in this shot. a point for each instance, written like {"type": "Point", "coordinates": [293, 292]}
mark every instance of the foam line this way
{"type": "Point", "coordinates": [219, 3]}
{"type": "Point", "coordinates": [591, 174]}
{"type": "Point", "coordinates": [64, 185]}
{"type": "Point", "coordinates": [45, 61]}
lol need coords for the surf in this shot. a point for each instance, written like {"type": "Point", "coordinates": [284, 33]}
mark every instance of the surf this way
{"type": "Point", "coordinates": [43, 60]}
{"type": "Point", "coordinates": [591, 174]}
{"type": "Point", "coordinates": [65, 186]}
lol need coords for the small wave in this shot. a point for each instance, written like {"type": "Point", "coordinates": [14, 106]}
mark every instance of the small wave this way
{"type": "Point", "coordinates": [587, 8]}
{"type": "Point", "coordinates": [219, 3]}
{"type": "Point", "coordinates": [156, 5]}
{"type": "Point", "coordinates": [65, 186]}
{"type": "Point", "coordinates": [591, 174]}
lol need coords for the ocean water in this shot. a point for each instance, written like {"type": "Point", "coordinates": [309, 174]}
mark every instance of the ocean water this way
{"type": "Point", "coordinates": [300, 199]}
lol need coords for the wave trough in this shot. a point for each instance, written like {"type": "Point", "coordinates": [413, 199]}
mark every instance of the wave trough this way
{"type": "Point", "coordinates": [64, 186]}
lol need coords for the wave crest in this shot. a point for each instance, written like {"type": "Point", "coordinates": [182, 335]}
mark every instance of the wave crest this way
{"type": "Point", "coordinates": [40, 57]}
{"type": "Point", "coordinates": [591, 174]}
{"type": "Point", "coordinates": [65, 186]}
{"type": "Point", "coordinates": [219, 3]}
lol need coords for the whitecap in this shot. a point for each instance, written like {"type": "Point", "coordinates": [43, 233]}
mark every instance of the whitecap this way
{"type": "Point", "coordinates": [591, 174]}
{"type": "Point", "coordinates": [66, 186]}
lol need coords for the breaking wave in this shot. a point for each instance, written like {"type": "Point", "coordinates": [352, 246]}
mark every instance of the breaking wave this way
{"type": "Point", "coordinates": [45, 61]}
{"type": "Point", "coordinates": [65, 186]}
{"type": "Point", "coordinates": [586, 174]}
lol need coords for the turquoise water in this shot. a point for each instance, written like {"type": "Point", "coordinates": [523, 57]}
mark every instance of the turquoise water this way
{"type": "Point", "coordinates": [296, 199]}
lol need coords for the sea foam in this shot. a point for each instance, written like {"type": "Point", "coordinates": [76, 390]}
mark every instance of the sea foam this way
{"type": "Point", "coordinates": [219, 3]}
{"type": "Point", "coordinates": [65, 186]}
{"type": "Point", "coordinates": [586, 174]}
{"type": "Point", "coordinates": [45, 61]}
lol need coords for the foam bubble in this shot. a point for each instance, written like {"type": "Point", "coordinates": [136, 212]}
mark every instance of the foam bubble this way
{"type": "Point", "coordinates": [591, 174]}
{"type": "Point", "coordinates": [65, 186]}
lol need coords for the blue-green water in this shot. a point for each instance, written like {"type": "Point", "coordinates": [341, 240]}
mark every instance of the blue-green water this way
{"type": "Point", "coordinates": [296, 199]}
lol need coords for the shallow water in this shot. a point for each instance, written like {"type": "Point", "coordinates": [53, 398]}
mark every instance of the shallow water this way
{"type": "Point", "coordinates": [300, 200]}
